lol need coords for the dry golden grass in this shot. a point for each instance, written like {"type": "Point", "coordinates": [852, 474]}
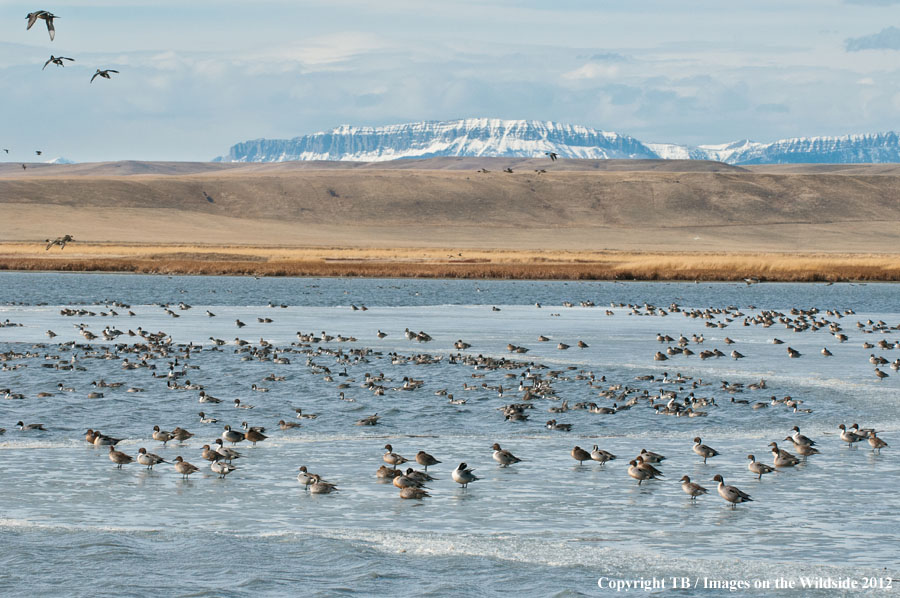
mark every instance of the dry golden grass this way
{"type": "Point", "coordinates": [448, 263]}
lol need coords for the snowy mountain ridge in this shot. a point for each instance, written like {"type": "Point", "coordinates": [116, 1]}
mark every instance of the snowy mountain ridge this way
{"type": "Point", "coordinates": [489, 137]}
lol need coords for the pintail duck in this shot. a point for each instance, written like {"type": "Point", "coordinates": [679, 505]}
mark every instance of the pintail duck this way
{"type": "Point", "coordinates": [57, 60]}
{"type": "Point", "coordinates": [304, 477]}
{"type": "Point", "coordinates": [463, 475]}
{"type": "Point", "coordinates": [386, 473]}
{"type": "Point", "coordinates": [781, 458]}
{"type": "Point", "coordinates": [208, 454]}
{"type": "Point", "coordinates": [254, 436]}
{"type": "Point", "coordinates": [804, 450]}
{"type": "Point", "coordinates": [119, 458]}
{"type": "Point", "coordinates": [48, 17]}
{"type": "Point", "coordinates": [103, 73]}
{"type": "Point", "coordinates": [287, 425]}
{"type": "Point", "coordinates": [580, 455]}
{"type": "Point", "coordinates": [414, 493]}
{"type": "Point", "coordinates": [637, 473]}
{"type": "Point", "coordinates": [207, 420]}
{"type": "Point", "coordinates": [317, 486]}
{"type": "Point", "coordinates": [368, 421]}
{"type": "Point", "coordinates": [239, 405]}
{"type": "Point", "coordinates": [30, 427]}
{"type": "Point", "coordinates": [849, 437]}
{"type": "Point", "coordinates": [876, 443]}
{"type": "Point", "coordinates": [601, 456]}
{"type": "Point", "coordinates": [704, 451]}
{"type": "Point", "coordinates": [553, 425]}
{"type": "Point", "coordinates": [161, 435]}
{"type": "Point", "coordinates": [404, 481]}
{"type": "Point", "coordinates": [221, 468]}
{"type": "Point", "coordinates": [650, 457]}
{"type": "Point", "coordinates": [392, 458]}
{"type": "Point", "coordinates": [647, 467]}
{"type": "Point", "coordinates": [799, 439]}
{"type": "Point", "coordinates": [232, 436]}
{"type": "Point", "coordinates": [184, 468]}
{"type": "Point", "coordinates": [103, 440]}
{"type": "Point", "coordinates": [149, 459]}
{"type": "Point", "coordinates": [224, 452]}
{"type": "Point", "coordinates": [758, 468]}
{"type": "Point", "coordinates": [730, 493]}
{"type": "Point", "coordinates": [503, 456]}
{"type": "Point", "coordinates": [424, 459]}
{"type": "Point", "coordinates": [180, 434]}
{"type": "Point", "coordinates": [301, 415]}
{"type": "Point", "coordinates": [692, 489]}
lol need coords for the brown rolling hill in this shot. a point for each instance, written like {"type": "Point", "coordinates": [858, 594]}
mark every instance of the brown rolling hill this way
{"type": "Point", "coordinates": [447, 202]}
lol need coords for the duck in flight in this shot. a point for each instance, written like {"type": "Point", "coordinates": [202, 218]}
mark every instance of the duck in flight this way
{"type": "Point", "coordinates": [47, 16]}
{"type": "Point", "coordinates": [61, 241]}
{"type": "Point", "coordinates": [553, 156]}
{"type": "Point", "coordinates": [57, 60]}
{"type": "Point", "coordinates": [103, 73]}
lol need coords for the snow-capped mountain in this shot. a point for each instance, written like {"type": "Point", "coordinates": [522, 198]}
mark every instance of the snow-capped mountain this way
{"type": "Point", "coordinates": [526, 138]}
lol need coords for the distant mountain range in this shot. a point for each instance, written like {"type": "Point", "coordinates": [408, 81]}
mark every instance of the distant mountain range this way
{"type": "Point", "coordinates": [489, 137]}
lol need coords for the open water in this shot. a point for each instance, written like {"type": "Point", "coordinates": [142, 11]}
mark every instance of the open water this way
{"type": "Point", "coordinates": [73, 524]}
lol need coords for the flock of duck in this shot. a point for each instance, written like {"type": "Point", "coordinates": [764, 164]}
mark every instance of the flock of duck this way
{"type": "Point", "coordinates": [530, 382]}
{"type": "Point", "coordinates": [59, 61]}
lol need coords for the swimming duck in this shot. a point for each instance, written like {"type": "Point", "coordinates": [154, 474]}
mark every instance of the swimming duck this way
{"type": "Point", "coordinates": [287, 425]}
{"type": "Point", "coordinates": [30, 427]}
{"type": "Point", "coordinates": [368, 421]}
{"type": "Point", "coordinates": [206, 420]}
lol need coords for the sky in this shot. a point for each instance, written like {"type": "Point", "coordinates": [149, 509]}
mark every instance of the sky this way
{"type": "Point", "coordinates": [198, 76]}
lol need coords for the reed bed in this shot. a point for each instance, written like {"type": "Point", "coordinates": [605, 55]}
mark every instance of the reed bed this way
{"type": "Point", "coordinates": [389, 263]}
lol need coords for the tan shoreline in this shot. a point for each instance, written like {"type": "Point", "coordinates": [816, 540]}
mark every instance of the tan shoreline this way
{"type": "Point", "coordinates": [447, 263]}
{"type": "Point", "coordinates": [466, 217]}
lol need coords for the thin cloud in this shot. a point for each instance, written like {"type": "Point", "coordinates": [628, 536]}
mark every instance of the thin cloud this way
{"type": "Point", "coordinates": [886, 39]}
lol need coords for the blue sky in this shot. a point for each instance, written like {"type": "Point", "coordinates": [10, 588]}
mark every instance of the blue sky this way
{"type": "Point", "coordinates": [198, 76]}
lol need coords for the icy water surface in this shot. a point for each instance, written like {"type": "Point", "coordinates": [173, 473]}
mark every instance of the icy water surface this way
{"type": "Point", "coordinates": [73, 524]}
